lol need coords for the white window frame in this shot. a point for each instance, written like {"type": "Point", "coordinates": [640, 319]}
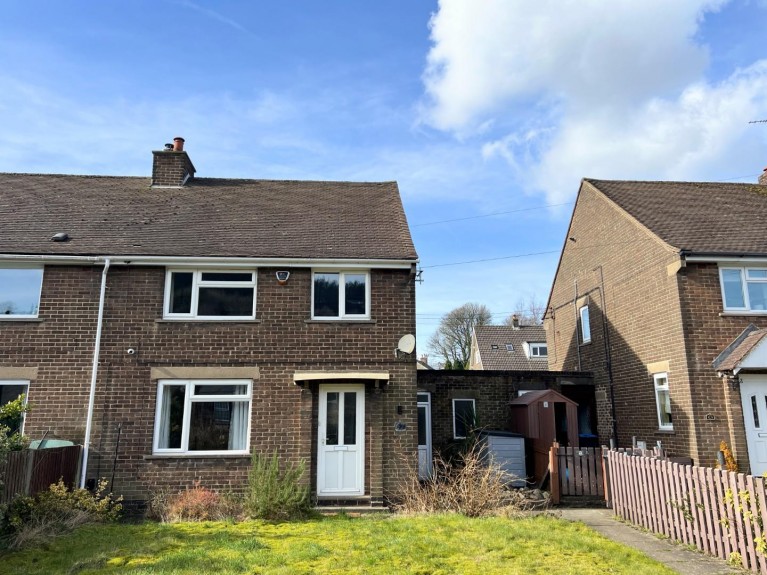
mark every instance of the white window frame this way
{"type": "Point", "coordinates": [585, 320]}
{"type": "Point", "coordinates": [661, 387]}
{"type": "Point", "coordinates": [530, 346]}
{"type": "Point", "coordinates": [474, 409]}
{"type": "Point", "coordinates": [198, 282]}
{"type": "Point", "coordinates": [17, 382]}
{"type": "Point", "coordinates": [39, 294]}
{"type": "Point", "coordinates": [744, 281]}
{"type": "Point", "coordinates": [190, 398]}
{"type": "Point", "coordinates": [342, 293]}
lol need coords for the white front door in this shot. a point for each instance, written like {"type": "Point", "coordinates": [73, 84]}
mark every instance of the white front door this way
{"type": "Point", "coordinates": [753, 394]}
{"type": "Point", "coordinates": [424, 435]}
{"type": "Point", "coordinates": [341, 441]}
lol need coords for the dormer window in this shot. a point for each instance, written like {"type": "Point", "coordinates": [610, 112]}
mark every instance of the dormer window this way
{"type": "Point", "coordinates": [210, 294]}
{"type": "Point", "coordinates": [536, 350]}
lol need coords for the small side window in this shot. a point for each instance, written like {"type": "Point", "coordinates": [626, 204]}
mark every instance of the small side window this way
{"type": "Point", "coordinates": [464, 417]}
{"type": "Point", "coordinates": [585, 322]}
{"type": "Point", "coordinates": [663, 401]}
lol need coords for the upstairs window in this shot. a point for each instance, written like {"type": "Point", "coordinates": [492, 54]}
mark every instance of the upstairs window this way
{"type": "Point", "coordinates": [744, 289]}
{"type": "Point", "coordinates": [585, 324]}
{"type": "Point", "coordinates": [210, 294]}
{"type": "Point", "coordinates": [663, 401]}
{"type": "Point", "coordinates": [20, 292]}
{"type": "Point", "coordinates": [536, 350]}
{"type": "Point", "coordinates": [341, 295]}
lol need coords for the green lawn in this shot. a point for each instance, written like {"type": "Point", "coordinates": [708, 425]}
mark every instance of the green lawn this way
{"type": "Point", "coordinates": [378, 545]}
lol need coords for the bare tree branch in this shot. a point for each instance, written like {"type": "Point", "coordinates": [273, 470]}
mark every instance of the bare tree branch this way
{"type": "Point", "coordinates": [452, 340]}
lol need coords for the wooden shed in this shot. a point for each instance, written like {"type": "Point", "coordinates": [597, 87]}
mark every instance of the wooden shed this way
{"type": "Point", "coordinates": [544, 417]}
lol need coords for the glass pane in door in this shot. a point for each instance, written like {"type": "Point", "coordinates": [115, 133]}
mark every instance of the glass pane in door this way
{"type": "Point", "coordinates": [331, 433]}
{"type": "Point", "coordinates": [350, 418]}
{"type": "Point", "coordinates": [421, 425]}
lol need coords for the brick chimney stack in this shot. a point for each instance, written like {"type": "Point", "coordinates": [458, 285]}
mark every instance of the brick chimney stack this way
{"type": "Point", "coordinates": [515, 321]}
{"type": "Point", "coordinates": [172, 167]}
{"type": "Point", "coordinates": [763, 178]}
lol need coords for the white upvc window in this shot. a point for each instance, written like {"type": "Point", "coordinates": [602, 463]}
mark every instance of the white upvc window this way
{"type": "Point", "coordinates": [663, 401]}
{"type": "Point", "coordinates": [536, 349]}
{"type": "Point", "coordinates": [585, 324]}
{"type": "Point", "coordinates": [20, 288]}
{"type": "Point", "coordinates": [340, 295]}
{"type": "Point", "coordinates": [10, 390]}
{"type": "Point", "coordinates": [744, 289]}
{"type": "Point", "coordinates": [464, 417]}
{"type": "Point", "coordinates": [202, 417]}
{"type": "Point", "coordinates": [210, 294]}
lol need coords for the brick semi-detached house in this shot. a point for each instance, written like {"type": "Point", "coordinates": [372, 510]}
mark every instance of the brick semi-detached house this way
{"type": "Point", "coordinates": [660, 292]}
{"type": "Point", "coordinates": [206, 318]}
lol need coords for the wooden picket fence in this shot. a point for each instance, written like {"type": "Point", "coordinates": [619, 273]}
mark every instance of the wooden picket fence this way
{"type": "Point", "coordinates": [719, 512]}
{"type": "Point", "coordinates": [30, 471]}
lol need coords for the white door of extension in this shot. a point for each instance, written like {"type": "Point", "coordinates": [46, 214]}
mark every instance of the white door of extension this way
{"type": "Point", "coordinates": [341, 441]}
{"type": "Point", "coordinates": [424, 435]}
{"type": "Point", "coordinates": [753, 395]}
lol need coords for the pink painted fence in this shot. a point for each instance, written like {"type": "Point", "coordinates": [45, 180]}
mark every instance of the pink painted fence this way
{"type": "Point", "coordinates": [719, 512]}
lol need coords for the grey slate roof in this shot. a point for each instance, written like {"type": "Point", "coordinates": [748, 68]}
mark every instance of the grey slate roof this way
{"type": "Point", "coordinates": [700, 217]}
{"type": "Point", "coordinates": [208, 217]}
{"type": "Point", "coordinates": [501, 359]}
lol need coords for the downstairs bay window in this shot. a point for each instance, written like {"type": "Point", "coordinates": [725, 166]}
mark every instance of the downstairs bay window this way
{"type": "Point", "coordinates": [202, 417]}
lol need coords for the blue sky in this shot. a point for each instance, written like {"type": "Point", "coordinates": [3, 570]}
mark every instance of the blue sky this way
{"type": "Point", "coordinates": [475, 107]}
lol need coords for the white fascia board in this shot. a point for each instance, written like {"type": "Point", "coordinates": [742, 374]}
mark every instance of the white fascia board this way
{"type": "Point", "coordinates": [727, 259]}
{"type": "Point", "coordinates": [212, 262]}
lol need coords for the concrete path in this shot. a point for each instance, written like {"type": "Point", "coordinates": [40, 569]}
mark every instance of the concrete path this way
{"type": "Point", "coordinates": [673, 555]}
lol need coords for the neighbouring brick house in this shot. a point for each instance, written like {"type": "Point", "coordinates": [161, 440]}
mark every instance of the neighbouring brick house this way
{"type": "Point", "coordinates": [657, 285]}
{"type": "Point", "coordinates": [502, 347]}
{"type": "Point", "coordinates": [213, 317]}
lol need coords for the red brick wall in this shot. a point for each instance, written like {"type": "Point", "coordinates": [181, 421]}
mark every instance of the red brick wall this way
{"type": "Point", "coordinates": [280, 342]}
{"type": "Point", "coordinates": [642, 321]}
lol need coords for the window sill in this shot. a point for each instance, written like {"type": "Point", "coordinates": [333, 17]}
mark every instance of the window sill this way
{"type": "Point", "coordinates": [161, 456]}
{"type": "Point", "coordinates": [198, 320]}
{"type": "Point", "coordinates": [340, 320]}
{"type": "Point", "coordinates": [587, 342]}
{"type": "Point", "coordinates": [665, 432]}
{"type": "Point", "coordinates": [21, 319]}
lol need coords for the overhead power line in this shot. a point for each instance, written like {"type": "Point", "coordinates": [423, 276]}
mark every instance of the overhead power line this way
{"type": "Point", "coordinates": [492, 214]}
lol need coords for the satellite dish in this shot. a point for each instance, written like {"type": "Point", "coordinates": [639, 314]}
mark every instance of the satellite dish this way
{"type": "Point", "coordinates": [406, 343]}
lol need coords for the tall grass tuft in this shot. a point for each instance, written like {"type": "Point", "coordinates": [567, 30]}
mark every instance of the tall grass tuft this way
{"type": "Point", "coordinates": [274, 494]}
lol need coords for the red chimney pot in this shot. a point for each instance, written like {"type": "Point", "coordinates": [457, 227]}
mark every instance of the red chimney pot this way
{"type": "Point", "coordinates": [178, 144]}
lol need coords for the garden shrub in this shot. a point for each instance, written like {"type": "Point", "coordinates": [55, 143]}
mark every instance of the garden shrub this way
{"type": "Point", "coordinates": [58, 510]}
{"type": "Point", "coordinates": [194, 504]}
{"type": "Point", "coordinates": [275, 494]}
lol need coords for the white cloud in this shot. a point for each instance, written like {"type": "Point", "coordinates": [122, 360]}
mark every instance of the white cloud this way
{"type": "Point", "coordinates": [578, 88]}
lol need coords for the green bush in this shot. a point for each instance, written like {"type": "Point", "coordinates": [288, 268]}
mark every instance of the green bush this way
{"type": "Point", "coordinates": [274, 494]}
{"type": "Point", "coordinates": [58, 510]}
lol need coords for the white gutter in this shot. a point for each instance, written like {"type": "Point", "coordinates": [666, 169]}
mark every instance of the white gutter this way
{"type": "Point", "coordinates": [94, 374]}
{"type": "Point", "coordinates": [727, 259]}
{"type": "Point", "coordinates": [217, 262]}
